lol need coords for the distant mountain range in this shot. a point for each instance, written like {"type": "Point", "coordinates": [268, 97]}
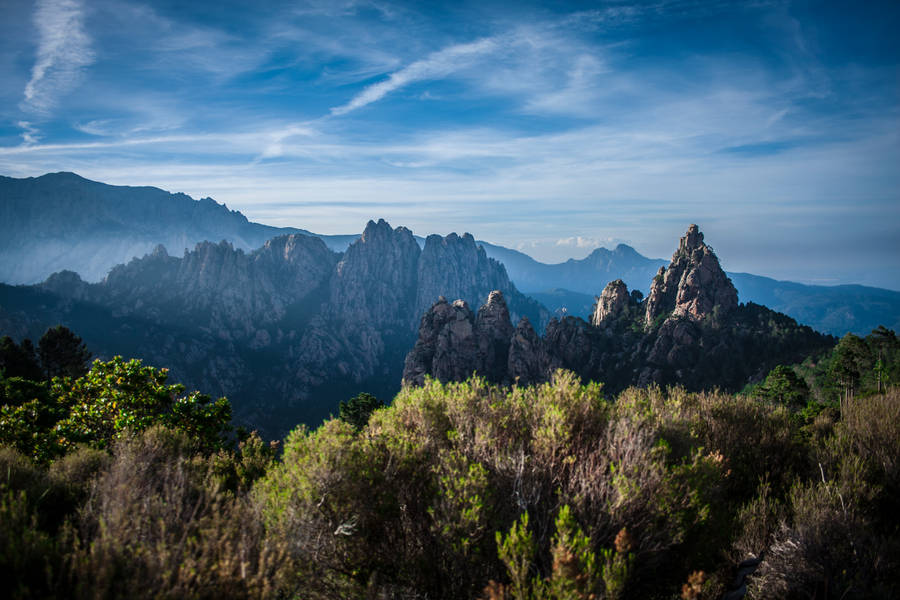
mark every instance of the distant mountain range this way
{"type": "Point", "coordinates": [61, 221]}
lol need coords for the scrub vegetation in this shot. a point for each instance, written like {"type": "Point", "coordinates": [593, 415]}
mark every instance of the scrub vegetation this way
{"type": "Point", "coordinates": [115, 483]}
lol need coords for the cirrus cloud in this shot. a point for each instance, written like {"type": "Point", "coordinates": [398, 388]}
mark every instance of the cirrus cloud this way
{"type": "Point", "coordinates": [64, 50]}
{"type": "Point", "coordinates": [436, 65]}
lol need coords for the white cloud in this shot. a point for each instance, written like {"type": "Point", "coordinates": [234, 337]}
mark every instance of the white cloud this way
{"type": "Point", "coordinates": [579, 242]}
{"type": "Point", "coordinates": [30, 135]}
{"type": "Point", "coordinates": [275, 148]}
{"type": "Point", "coordinates": [64, 50]}
{"type": "Point", "coordinates": [436, 65]}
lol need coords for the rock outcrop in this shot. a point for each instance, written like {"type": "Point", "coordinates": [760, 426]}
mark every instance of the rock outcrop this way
{"type": "Point", "coordinates": [292, 327]}
{"type": "Point", "coordinates": [448, 346]}
{"type": "Point", "coordinates": [689, 331]}
{"type": "Point", "coordinates": [528, 362]}
{"type": "Point", "coordinates": [611, 303]}
{"type": "Point", "coordinates": [692, 285]}
{"type": "Point", "coordinates": [453, 343]}
{"type": "Point", "coordinates": [493, 329]}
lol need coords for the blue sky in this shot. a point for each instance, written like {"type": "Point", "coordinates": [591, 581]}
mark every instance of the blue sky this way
{"type": "Point", "coordinates": [554, 128]}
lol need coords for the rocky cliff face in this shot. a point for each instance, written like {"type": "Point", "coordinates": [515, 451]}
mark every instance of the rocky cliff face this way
{"type": "Point", "coordinates": [375, 279]}
{"type": "Point", "coordinates": [457, 263]}
{"type": "Point", "coordinates": [704, 337]}
{"type": "Point", "coordinates": [493, 329]}
{"type": "Point", "coordinates": [453, 343]}
{"type": "Point", "coordinates": [693, 284]}
{"type": "Point", "coordinates": [611, 303]}
{"type": "Point", "coordinates": [292, 325]}
{"type": "Point", "coordinates": [218, 286]}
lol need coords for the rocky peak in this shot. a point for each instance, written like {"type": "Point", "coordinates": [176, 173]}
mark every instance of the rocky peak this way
{"type": "Point", "coordinates": [455, 266]}
{"type": "Point", "coordinates": [694, 283]}
{"type": "Point", "coordinates": [494, 330]}
{"type": "Point", "coordinates": [692, 240]}
{"type": "Point", "coordinates": [528, 361]}
{"type": "Point", "coordinates": [494, 314]}
{"type": "Point", "coordinates": [67, 284]}
{"type": "Point", "coordinates": [375, 279]}
{"type": "Point", "coordinates": [453, 343]}
{"type": "Point", "coordinates": [296, 259]}
{"type": "Point", "coordinates": [447, 347]}
{"type": "Point", "coordinates": [611, 303]}
{"type": "Point", "coordinates": [289, 248]}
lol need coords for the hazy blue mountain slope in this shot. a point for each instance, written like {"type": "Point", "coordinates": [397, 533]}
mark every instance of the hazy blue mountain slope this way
{"type": "Point", "coordinates": [63, 221]}
{"type": "Point", "coordinates": [562, 302]}
{"type": "Point", "coordinates": [587, 275]}
{"type": "Point", "coordinates": [830, 309]}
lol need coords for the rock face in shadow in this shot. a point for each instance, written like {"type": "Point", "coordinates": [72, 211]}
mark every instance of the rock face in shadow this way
{"type": "Point", "coordinates": [690, 331]}
{"type": "Point", "coordinates": [528, 361]}
{"type": "Point", "coordinates": [288, 330]}
{"type": "Point", "coordinates": [450, 344]}
{"type": "Point", "coordinates": [453, 343]}
{"type": "Point", "coordinates": [493, 328]}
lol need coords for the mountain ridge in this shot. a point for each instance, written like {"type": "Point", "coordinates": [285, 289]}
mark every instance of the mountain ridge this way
{"type": "Point", "coordinates": [286, 330]}
{"type": "Point", "coordinates": [689, 331]}
{"type": "Point", "coordinates": [72, 223]}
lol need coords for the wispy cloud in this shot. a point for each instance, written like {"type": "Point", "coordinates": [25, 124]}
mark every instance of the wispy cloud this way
{"type": "Point", "coordinates": [275, 148]}
{"type": "Point", "coordinates": [30, 133]}
{"type": "Point", "coordinates": [436, 65]}
{"type": "Point", "coordinates": [64, 50]}
{"type": "Point", "coordinates": [578, 242]}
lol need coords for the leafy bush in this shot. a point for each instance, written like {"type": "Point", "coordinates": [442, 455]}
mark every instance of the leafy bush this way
{"type": "Point", "coordinates": [121, 396]}
{"type": "Point", "coordinates": [412, 504]}
{"type": "Point", "coordinates": [358, 409]}
{"type": "Point", "coordinates": [456, 490]}
{"type": "Point", "coordinates": [111, 399]}
{"type": "Point", "coordinates": [839, 535]}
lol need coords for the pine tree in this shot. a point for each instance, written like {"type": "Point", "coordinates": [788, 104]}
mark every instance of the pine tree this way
{"type": "Point", "coordinates": [63, 354]}
{"type": "Point", "coordinates": [19, 360]}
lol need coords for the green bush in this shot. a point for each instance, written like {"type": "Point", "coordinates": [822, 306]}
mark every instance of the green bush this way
{"type": "Point", "coordinates": [411, 504]}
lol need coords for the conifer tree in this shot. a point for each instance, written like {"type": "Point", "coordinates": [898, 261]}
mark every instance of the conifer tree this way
{"type": "Point", "coordinates": [63, 354]}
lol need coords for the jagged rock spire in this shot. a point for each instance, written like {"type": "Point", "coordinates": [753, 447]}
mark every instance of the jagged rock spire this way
{"type": "Point", "coordinates": [447, 347]}
{"type": "Point", "coordinates": [611, 303]}
{"type": "Point", "coordinates": [494, 329]}
{"type": "Point", "coordinates": [693, 284]}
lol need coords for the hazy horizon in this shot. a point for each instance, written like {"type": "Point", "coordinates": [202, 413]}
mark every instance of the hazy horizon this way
{"type": "Point", "coordinates": [553, 129]}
